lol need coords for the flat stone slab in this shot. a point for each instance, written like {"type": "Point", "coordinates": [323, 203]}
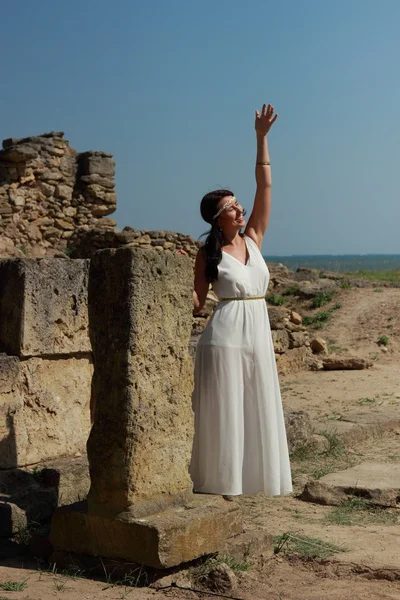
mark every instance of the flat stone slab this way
{"type": "Point", "coordinates": [166, 539]}
{"type": "Point", "coordinates": [377, 482]}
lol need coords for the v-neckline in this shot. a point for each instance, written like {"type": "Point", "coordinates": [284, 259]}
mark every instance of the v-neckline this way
{"type": "Point", "coordinates": [247, 254]}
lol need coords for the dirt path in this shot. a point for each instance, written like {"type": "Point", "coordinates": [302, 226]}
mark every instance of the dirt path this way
{"type": "Point", "coordinates": [365, 315]}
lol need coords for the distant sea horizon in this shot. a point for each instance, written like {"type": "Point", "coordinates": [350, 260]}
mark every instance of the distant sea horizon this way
{"type": "Point", "coordinates": [341, 263]}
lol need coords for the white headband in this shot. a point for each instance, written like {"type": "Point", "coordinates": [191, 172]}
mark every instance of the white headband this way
{"type": "Point", "coordinates": [224, 206]}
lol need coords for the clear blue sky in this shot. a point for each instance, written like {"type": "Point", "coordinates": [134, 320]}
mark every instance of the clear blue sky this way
{"type": "Point", "coordinates": [170, 87]}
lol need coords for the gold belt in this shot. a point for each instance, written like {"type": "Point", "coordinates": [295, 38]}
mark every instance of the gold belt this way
{"type": "Point", "coordinates": [243, 298]}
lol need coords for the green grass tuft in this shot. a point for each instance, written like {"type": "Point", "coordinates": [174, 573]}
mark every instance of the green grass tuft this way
{"type": "Point", "coordinates": [13, 586]}
{"type": "Point", "coordinates": [305, 546]}
{"type": "Point", "coordinates": [275, 300]}
{"type": "Point", "coordinates": [321, 299]}
{"type": "Point", "coordinates": [291, 290]}
{"type": "Point", "coordinates": [358, 511]}
{"type": "Point", "coordinates": [317, 320]}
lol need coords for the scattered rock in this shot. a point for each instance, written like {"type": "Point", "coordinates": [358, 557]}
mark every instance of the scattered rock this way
{"type": "Point", "coordinates": [295, 318]}
{"type": "Point", "coordinates": [314, 364]}
{"type": "Point", "coordinates": [293, 360]}
{"type": "Point", "coordinates": [277, 316]}
{"type": "Point", "coordinates": [299, 429]}
{"type": "Point", "coordinates": [311, 289]}
{"type": "Point", "coordinates": [298, 339]}
{"type": "Point", "coordinates": [221, 579]}
{"type": "Point", "coordinates": [280, 338]}
{"type": "Point", "coordinates": [319, 346]}
{"type": "Point", "coordinates": [335, 363]}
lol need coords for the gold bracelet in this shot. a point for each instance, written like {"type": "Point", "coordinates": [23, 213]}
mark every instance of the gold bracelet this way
{"type": "Point", "coordinates": [263, 163]}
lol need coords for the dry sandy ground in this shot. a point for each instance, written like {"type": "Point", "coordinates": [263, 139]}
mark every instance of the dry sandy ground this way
{"type": "Point", "coordinates": [335, 400]}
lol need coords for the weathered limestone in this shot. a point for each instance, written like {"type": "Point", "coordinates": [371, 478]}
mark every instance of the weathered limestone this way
{"type": "Point", "coordinates": [140, 315]}
{"type": "Point", "coordinates": [48, 416]}
{"type": "Point", "coordinates": [319, 346]}
{"type": "Point", "coordinates": [299, 430]}
{"type": "Point", "coordinates": [140, 505]}
{"type": "Point", "coordinates": [43, 306]}
{"type": "Point", "coordinates": [336, 363]}
{"type": "Point", "coordinates": [47, 191]}
{"type": "Point", "coordinates": [377, 482]}
{"type": "Point", "coordinates": [45, 384]}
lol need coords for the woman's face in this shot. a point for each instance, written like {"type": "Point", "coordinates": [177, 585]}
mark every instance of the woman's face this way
{"type": "Point", "coordinates": [232, 216]}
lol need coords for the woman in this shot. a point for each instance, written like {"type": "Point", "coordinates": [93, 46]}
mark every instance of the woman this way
{"type": "Point", "coordinates": [240, 442]}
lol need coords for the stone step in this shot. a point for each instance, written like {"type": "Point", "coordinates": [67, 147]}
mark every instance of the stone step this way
{"type": "Point", "coordinates": [377, 483]}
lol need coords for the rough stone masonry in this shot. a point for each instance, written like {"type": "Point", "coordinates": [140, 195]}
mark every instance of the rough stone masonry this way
{"type": "Point", "coordinates": [140, 505]}
{"type": "Point", "coordinates": [48, 191]}
{"type": "Point", "coordinates": [45, 360]}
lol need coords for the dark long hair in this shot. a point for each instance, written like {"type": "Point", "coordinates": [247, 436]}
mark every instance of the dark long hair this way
{"type": "Point", "coordinates": [214, 241]}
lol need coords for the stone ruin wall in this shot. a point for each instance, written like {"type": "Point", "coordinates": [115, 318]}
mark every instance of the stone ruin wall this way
{"type": "Point", "coordinates": [46, 362]}
{"type": "Point", "coordinates": [48, 192]}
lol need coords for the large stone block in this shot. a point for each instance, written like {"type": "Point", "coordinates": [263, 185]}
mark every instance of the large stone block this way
{"type": "Point", "coordinates": [162, 540]}
{"type": "Point", "coordinates": [98, 163]}
{"type": "Point", "coordinates": [43, 307]}
{"type": "Point", "coordinates": [47, 415]}
{"type": "Point", "coordinates": [140, 307]}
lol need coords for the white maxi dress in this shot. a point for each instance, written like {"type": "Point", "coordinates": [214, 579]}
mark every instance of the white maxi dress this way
{"type": "Point", "coordinates": [240, 444]}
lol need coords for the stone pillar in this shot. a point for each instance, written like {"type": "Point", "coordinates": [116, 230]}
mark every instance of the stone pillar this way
{"type": "Point", "coordinates": [140, 320]}
{"type": "Point", "coordinates": [140, 506]}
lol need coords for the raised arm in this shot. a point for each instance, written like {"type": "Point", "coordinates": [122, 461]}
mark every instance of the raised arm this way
{"type": "Point", "coordinates": [258, 221]}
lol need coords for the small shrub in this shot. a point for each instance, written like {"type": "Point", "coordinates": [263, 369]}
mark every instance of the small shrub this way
{"type": "Point", "coordinates": [335, 444]}
{"type": "Point", "coordinates": [337, 305]}
{"type": "Point", "coordinates": [383, 340]}
{"type": "Point", "coordinates": [70, 250]}
{"type": "Point", "coordinates": [291, 290]}
{"type": "Point", "coordinates": [345, 285]}
{"type": "Point", "coordinates": [378, 290]}
{"type": "Point", "coordinates": [37, 473]}
{"type": "Point", "coordinates": [23, 534]}
{"type": "Point", "coordinates": [321, 299]}
{"type": "Point", "coordinates": [318, 320]}
{"type": "Point", "coordinates": [275, 300]}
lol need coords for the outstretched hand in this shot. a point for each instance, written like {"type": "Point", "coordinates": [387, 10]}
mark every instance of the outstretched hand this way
{"type": "Point", "coordinates": [265, 121]}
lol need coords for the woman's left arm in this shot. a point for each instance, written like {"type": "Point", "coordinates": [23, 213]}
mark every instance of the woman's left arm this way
{"type": "Point", "coordinates": [258, 221]}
